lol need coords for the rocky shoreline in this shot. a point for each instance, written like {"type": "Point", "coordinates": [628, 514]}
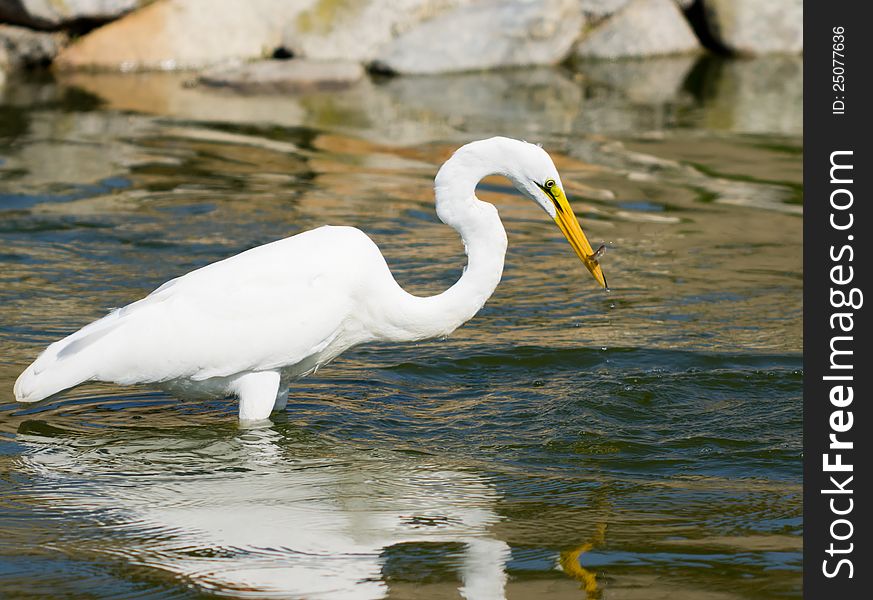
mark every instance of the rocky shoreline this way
{"type": "Point", "coordinates": [331, 43]}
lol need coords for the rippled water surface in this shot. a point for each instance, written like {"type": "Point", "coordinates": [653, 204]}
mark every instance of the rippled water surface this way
{"type": "Point", "coordinates": [566, 443]}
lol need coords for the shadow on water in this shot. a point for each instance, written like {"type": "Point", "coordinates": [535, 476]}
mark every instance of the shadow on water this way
{"type": "Point", "coordinates": [567, 443]}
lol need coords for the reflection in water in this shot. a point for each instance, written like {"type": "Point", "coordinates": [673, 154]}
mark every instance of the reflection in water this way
{"type": "Point", "coordinates": [570, 562]}
{"type": "Point", "coordinates": [597, 98]}
{"type": "Point", "coordinates": [247, 515]}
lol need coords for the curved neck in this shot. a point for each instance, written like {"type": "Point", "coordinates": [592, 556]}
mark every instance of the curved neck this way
{"type": "Point", "coordinates": [415, 318]}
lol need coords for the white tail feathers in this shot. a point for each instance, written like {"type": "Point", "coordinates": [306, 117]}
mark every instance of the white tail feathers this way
{"type": "Point", "coordinates": [67, 362]}
{"type": "Point", "coordinates": [49, 375]}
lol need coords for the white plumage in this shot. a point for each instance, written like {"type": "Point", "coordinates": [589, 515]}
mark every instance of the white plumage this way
{"type": "Point", "coordinates": [249, 324]}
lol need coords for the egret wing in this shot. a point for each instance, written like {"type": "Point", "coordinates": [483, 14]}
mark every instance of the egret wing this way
{"type": "Point", "coordinates": [271, 307]}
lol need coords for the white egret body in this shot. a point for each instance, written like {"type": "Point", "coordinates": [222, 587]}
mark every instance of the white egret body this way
{"type": "Point", "coordinates": [247, 325]}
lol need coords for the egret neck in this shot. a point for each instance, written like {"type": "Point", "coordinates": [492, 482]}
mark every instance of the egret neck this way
{"type": "Point", "coordinates": [480, 228]}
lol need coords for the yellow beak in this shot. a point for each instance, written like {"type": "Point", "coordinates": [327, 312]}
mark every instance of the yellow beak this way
{"type": "Point", "coordinates": [569, 226]}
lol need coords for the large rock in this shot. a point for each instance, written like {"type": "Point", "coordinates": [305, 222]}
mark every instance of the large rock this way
{"type": "Point", "coordinates": [53, 14]}
{"type": "Point", "coordinates": [280, 76]}
{"type": "Point", "coordinates": [642, 28]}
{"type": "Point", "coordinates": [754, 27]}
{"type": "Point", "coordinates": [184, 34]}
{"type": "Point", "coordinates": [486, 35]}
{"type": "Point", "coordinates": [357, 29]}
{"type": "Point", "coordinates": [23, 48]}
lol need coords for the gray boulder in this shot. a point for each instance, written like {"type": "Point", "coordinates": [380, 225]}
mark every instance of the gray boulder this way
{"type": "Point", "coordinates": [22, 48]}
{"type": "Point", "coordinates": [280, 76]}
{"type": "Point", "coordinates": [54, 14]}
{"type": "Point", "coordinates": [754, 27]}
{"type": "Point", "coordinates": [486, 35]}
{"type": "Point", "coordinates": [193, 34]}
{"type": "Point", "coordinates": [357, 29]}
{"type": "Point", "coordinates": [642, 28]}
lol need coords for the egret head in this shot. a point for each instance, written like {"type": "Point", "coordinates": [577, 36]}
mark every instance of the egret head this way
{"type": "Point", "coordinates": [531, 170]}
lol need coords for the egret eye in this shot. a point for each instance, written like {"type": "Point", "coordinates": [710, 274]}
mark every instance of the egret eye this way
{"type": "Point", "coordinates": [550, 183]}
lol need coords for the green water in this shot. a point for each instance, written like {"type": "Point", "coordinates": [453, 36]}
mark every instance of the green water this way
{"type": "Point", "coordinates": [565, 443]}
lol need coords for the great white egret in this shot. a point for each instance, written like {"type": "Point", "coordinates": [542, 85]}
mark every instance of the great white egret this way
{"type": "Point", "coordinates": [247, 325]}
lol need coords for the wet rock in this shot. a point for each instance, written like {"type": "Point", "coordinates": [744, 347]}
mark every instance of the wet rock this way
{"type": "Point", "coordinates": [278, 76]}
{"type": "Point", "coordinates": [486, 35]}
{"type": "Point", "coordinates": [642, 28]}
{"type": "Point", "coordinates": [357, 29]}
{"type": "Point", "coordinates": [51, 14]}
{"type": "Point", "coordinates": [184, 34]}
{"type": "Point", "coordinates": [753, 27]}
{"type": "Point", "coordinates": [23, 48]}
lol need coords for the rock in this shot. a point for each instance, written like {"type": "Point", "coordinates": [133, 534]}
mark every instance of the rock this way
{"type": "Point", "coordinates": [753, 27]}
{"type": "Point", "coordinates": [23, 48]}
{"type": "Point", "coordinates": [357, 29]}
{"type": "Point", "coordinates": [54, 14]}
{"type": "Point", "coordinates": [642, 28]}
{"type": "Point", "coordinates": [184, 34]}
{"type": "Point", "coordinates": [486, 35]}
{"type": "Point", "coordinates": [597, 9]}
{"type": "Point", "coordinates": [277, 76]}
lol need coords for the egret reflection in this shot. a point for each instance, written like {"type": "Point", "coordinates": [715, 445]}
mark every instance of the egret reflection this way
{"type": "Point", "coordinates": [256, 514]}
